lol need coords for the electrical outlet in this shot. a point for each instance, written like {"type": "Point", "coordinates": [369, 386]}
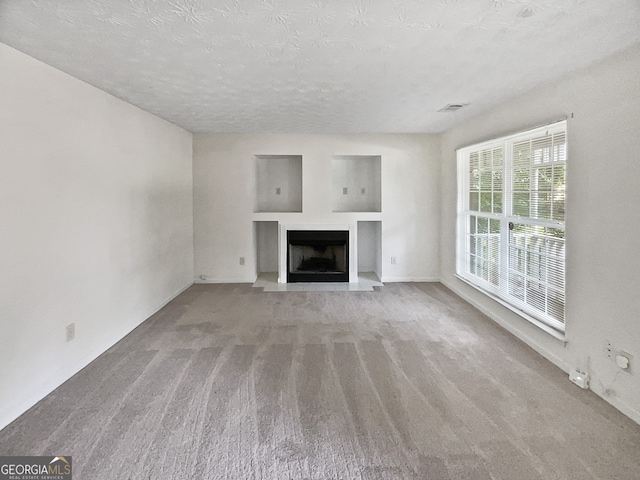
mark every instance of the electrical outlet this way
{"type": "Point", "coordinates": [363, 190]}
{"type": "Point", "coordinates": [71, 331]}
{"type": "Point", "coordinates": [345, 190]}
{"type": "Point", "coordinates": [241, 260]}
{"type": "Point", "coordinates": [393, 260]}
{"type": "Point", "coordinates": [608, 350]}
{"type": "Point", "coordinates": [278, 190]}
{"type": "Point", "coordinates": [579, 378]}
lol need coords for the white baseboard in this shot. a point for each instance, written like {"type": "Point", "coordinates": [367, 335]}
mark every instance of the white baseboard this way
{"type": "Point", "coordinates": [199, 281]}
{"type": "Point", "coordinates": [630, 412]}
{"type": "Point", "coordinates": [64, 373]}
{"type": "Point", "coordinates": [557, 361]}
{"type": "Point", "coordinates": [212, 280]}
{"type": "Point", "coordinates": [409, 279]}
{"type": "Point", "coordinates": [156, 308]}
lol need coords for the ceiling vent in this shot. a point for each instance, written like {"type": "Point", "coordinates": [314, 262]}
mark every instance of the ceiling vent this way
{"type": "Point", "coordinates": [452, 107]}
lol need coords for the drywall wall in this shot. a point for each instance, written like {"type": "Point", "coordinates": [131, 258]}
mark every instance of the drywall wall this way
{"type": "Point", "coordinates": [96, 216]}
{"type": "Point", "coordinates": [224, 192]}
{"type": "Point", "coordinates": [603, 259]}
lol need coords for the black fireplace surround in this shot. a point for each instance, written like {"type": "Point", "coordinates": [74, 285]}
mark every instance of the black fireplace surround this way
{"type": "Point", "coordinates": [317, 256]}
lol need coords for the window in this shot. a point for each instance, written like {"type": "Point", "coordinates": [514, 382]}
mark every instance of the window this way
{"type": "Point", "coordinates": [511, 212]}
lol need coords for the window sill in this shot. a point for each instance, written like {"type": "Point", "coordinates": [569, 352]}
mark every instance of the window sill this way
{"type": "Point", "coordinates": [538, 323]}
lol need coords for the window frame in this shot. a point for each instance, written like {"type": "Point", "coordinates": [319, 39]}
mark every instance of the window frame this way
{"type": "Point", "coordinates": [468, 259]}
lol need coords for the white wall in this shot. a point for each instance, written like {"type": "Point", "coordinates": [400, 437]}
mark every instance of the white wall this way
{"type": "Point", "coordinates": [603, 234]}
{"type": "Point", "coordinates": [224, 194]}
{"type": "Point", "coordinates": [96, 221]}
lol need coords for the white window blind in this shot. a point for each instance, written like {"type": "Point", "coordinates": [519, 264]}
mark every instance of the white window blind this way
{"type": "Point", "coordinates": [511, 211]}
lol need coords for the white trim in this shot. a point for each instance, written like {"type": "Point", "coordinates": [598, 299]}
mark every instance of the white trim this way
{"type": "Point", "coordinates": [557, 361]}
{"type": "Point", "coordinates": [599, 390]}
{"type": "Point", "coordinates": [630, 412]}
{"type": "Point", "coordinates": [409, 279]}
{"type": "Point", "coordinates": [499, 291]}
{"type": "Point", "coordinates": [64, 373]}
{"type": "Point", "coordinates": [514, 133]}
{"type": "Point", "coordinates": [538, 323]}
{"type": "Point", "coordinates": [162, 304]}
{"type": "Point", "coordinates": [210, 280]}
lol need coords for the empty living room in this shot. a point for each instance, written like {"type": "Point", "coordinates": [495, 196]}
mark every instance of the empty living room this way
{"type": "Point", "coordinates": [319, 239]}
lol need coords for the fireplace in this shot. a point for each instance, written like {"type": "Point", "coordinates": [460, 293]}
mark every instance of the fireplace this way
{"type": "Point", "coordinates": [317, 256]}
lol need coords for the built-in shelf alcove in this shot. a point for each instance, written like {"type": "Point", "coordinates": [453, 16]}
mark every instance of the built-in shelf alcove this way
{"type": "Point", "coordinates": [370, 247]}
{"type": "Point", "coordinates": [265, 236]}
{"type": "Point", "coordinates": [278, 183]}
{"type": "Point", "coordinates": [356, 183]}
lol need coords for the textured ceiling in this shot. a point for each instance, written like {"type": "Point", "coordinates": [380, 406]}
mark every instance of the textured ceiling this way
{"type": "Point", "coordinates": [317, 66]}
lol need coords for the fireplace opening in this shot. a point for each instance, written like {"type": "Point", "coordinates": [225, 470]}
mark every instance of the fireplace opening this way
{"type": "Point", "coordinates": [317, 256]}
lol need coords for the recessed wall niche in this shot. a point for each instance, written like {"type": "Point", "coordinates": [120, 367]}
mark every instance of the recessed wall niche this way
{"type": "Point", "coordinates": [278, 183]}
{"type": "Point", "coordinates": [266, 242]}
{"type": "Point", "coordinates": [370, 247]}
{"type": "Point", "coordinates": [356, 183]}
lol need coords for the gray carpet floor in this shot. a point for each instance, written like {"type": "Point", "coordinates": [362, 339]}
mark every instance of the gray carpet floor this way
{"type": "Point", "coordinates": [406, 382]}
